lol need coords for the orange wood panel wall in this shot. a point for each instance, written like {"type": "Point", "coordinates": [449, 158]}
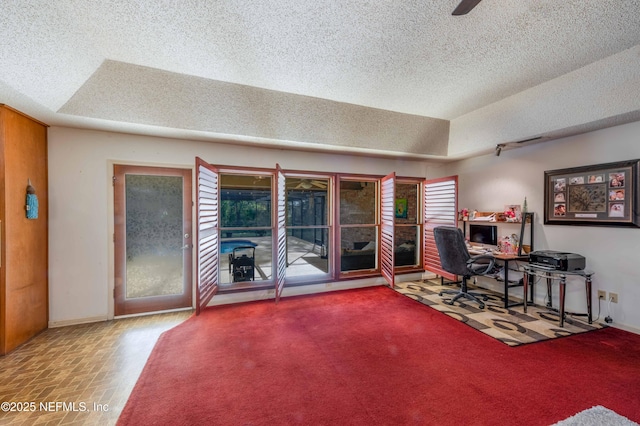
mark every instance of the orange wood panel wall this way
{"type": "Point", "coordinates": [24, 302]}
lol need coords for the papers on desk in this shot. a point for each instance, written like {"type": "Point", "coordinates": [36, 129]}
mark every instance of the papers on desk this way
{"type": "Point", "coordinates": [490, 218]}
{"type": "Point", "coordinates": [477, 250]}
{"type": "Point", "coordinates": [541, 266]}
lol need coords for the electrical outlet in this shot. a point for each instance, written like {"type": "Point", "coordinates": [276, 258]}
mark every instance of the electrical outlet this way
{"type": "Point", "coordinates": [602, 294]}
{"type": "Point", "coordinates": [613, 297]}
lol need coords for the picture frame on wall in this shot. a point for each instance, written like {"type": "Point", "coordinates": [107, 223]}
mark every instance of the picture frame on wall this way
{"type": "Point", "coordinates": [401, 208]}
{"type": "Point", "coordinates": [597, 195]}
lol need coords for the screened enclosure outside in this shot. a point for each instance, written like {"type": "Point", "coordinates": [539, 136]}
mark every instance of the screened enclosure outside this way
{"type": "Point", "coordinates": [308, 230]}
{"type": "Point", "coordinates": [246, 245]}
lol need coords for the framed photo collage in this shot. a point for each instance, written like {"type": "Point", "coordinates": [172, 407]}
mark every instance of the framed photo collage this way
{"type": "Point", "coordinates": [602, 194]}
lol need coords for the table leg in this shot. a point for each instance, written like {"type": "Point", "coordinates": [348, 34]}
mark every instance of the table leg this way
{"type": "Point", "coordinates": [532, 292]}
{"type": "Point", "coordinates": [525, 285]}
{"type": "Point", "coordinates": [563, 285]}
{"type": "Point", "coordinates": [588, 286]}
{"type": "Point", "coordinates": [506, 284]}
{"type": "Point", "coordinates": [549, 302]}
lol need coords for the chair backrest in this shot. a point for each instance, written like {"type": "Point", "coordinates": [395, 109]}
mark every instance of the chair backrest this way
{"type": "Point", "coordinates": [452, 249]}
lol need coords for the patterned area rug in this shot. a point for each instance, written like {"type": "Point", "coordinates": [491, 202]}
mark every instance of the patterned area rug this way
{"type": "Point", "coordinates": [510, 326]}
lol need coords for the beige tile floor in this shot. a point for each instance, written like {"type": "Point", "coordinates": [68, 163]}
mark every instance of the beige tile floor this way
{"type": "Point", "coordinates": [79, 375]}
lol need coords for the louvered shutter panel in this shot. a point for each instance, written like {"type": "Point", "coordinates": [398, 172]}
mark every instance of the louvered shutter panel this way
{"type": "Point", "coordinates": [281, 233]}
{"type": "Point", "coordinates": [207, 233]}
{"type": "Point", "coordinates": [387, 197]}
{"type": "Point", "coordinates": [440, 209]}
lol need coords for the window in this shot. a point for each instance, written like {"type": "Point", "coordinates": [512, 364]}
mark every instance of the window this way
{"type": "Point", "coordinates": [243, 213]}
{"type": "Point", "coordinates": [359, 225]}
{"type": "Point", "coordinates": [407, 224]}
{"type": "Point", "coordinates": [245, 221]}
{"type": "Point", "coordinates": [308, 212]}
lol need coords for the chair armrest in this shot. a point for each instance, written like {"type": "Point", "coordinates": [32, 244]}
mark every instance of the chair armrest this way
{"type": "Point", "coordinates": [481, 268]}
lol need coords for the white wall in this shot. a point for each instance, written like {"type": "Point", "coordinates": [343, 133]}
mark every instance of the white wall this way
{"type": "Point", "coordinates": [81, 205]}
{"type": "Point", "coordinates": [488, 183]}
{"type": "Point", "coordinates": [81, 202]}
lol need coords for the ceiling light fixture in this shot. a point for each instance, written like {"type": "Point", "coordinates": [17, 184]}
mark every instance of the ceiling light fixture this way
{"type": "Point", "coordinates": [517, 144]}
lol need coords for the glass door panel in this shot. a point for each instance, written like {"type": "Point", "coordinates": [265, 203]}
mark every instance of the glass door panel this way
{"type": "Point", "coordinates": [305, 257]}
{"type": "Point", "coordinates": [154, 236]}
{"type": "Point", "coordinates": [307, 205]}
{"type": "Point", "coordinates": [152, 224]}
{"type": "Point", "coordinates": [246, 217]}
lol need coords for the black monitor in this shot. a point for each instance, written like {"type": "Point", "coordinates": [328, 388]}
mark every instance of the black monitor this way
{"type": "Point", "coordinates": [483, 234]}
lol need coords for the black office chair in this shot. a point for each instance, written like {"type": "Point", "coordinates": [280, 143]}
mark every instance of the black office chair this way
{"type": "Point", "coordinates": [242, 263]}
{"type": "Point", "coordinates": [455, 258]}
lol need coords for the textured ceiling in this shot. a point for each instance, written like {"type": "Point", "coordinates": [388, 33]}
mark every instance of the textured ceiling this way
{"type": "Point", "coordinates": [376, 76]}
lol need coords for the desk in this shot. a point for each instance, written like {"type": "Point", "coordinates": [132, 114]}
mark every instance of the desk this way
{"type": "Point", "coordinates": [506, 258]}
{"type": "Point", "coordinates": [561, 276]}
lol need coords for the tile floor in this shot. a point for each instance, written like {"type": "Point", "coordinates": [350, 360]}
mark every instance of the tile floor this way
{"type": "Point", "coordinates": [79, 375]}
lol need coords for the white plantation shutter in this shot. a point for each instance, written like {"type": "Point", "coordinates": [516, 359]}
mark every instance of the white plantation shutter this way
{"type": "Point", "coordinates": [387, 231]}
{"type": "Point", "coordinates": [206, 233]}
{"type": "Point", "coordinates": [281, 233]}
{"type": "Point", "coordinates": [440, 209]}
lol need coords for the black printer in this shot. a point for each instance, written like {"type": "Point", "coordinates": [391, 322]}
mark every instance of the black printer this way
{"type": "Point", "coordinates": [557, 260]}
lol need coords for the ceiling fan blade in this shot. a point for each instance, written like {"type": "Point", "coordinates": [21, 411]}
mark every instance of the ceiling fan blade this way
{"type": "Point", "coordinates": [465, 7]}
{"type": "Point", "coordinates": [304, 184]}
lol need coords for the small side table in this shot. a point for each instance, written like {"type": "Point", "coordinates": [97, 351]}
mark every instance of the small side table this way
{"type": "Point", "coordinates": [507, 284]}
{"type": "Point", "coordinates": [551, 275]}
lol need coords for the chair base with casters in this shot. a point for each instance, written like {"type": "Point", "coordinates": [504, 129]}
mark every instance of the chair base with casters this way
{"type": "Point", "coordinates": [463, 292]}
{"type": "Point", "coordinates": [455, 259]}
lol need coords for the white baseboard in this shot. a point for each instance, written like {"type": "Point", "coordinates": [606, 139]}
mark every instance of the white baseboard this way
{"type": "Point", "coordinates": [625, 327]}
{"type": "Point", "coordinates": [64, 323]}
{"type": "Point", "coordinates": [144, 314]}
{"type": "Point", "coordinates": [248, 296]}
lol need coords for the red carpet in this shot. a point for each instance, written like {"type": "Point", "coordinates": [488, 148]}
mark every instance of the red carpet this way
{"type": "Point", "coordinates": [373, 357]}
